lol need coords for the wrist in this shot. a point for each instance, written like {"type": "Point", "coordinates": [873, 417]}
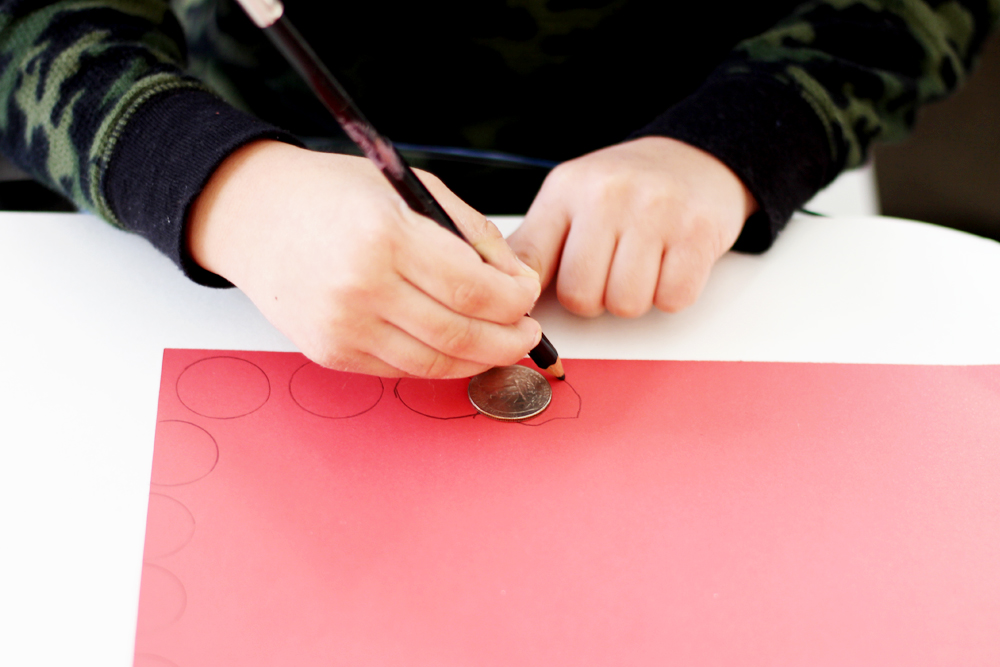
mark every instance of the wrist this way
{"type": "Point", "coordinates": [727, 180]}
{"type": "Point", "coordinates": [221, 209]}
{"type": "Point", "coordinates": [766, 132]}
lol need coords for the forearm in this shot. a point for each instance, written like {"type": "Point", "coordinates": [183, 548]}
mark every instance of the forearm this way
{"type": "Point", "coordinates": [96, 105]}
{"type": "Point", "coordinates": [794, 106]}
{"type": "Point", "coordinates": [72, 75]}
{"type": "Point", "coordinates": [866, 67]}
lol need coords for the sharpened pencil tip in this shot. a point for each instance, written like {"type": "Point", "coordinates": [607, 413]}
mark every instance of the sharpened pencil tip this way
{"type": "Point", "coordinates": [557, 370]}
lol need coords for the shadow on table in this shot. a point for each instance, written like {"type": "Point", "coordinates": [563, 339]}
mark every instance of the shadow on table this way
{"type": "Point", "coordinates": [948, 172]}
{"type": "Point", "coordinates": [19, 193]}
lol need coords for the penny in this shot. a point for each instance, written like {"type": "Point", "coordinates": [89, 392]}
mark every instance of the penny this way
{"type": "Point", "coordinates": [510, 393]}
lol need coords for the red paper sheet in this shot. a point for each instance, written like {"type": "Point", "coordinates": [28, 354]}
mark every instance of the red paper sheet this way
{"type": "Point", "coordinates": [659, 513]}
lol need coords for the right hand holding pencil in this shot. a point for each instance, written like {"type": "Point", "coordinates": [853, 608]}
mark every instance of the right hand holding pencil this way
{"type": "Point", "coordinates": [332, 256]}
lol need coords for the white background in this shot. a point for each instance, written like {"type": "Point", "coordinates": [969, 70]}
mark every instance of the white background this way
{"type": "Point", "coordinates": [87, 311]}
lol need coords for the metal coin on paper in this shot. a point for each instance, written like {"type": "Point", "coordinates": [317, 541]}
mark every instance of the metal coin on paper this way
{"type": "Point", "coordinates": [510, 393]}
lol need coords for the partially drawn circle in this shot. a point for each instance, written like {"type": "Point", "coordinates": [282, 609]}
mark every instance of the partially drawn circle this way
{"type": "Point", "coordinates": [150, 660]}
{"type": "Point", "coordinates": [169, 526]}
{"type": "Point", "coordinates": [223, 387]}
{"type": "Point", "coordinates": [437, 399]}
{"type": "Point", "coordinates": [334, 394]}
{"type": "Point", "coordinates": [162, 598]}
{"type": "Point", "coordinates": [182, 453]}
{"type": "Point", "coordinates": [566, 404]}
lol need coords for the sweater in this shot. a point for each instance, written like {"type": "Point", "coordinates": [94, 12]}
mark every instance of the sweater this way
{"type": "Point", "coordinates": [128, 106]}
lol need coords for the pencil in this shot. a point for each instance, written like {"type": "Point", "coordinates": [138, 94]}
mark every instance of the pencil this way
{"type": "Point", "coordinates": [269, 16]}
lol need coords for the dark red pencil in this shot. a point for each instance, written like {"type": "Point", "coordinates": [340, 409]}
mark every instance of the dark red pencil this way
{"type": "Point", "coordinates": [269, 15]}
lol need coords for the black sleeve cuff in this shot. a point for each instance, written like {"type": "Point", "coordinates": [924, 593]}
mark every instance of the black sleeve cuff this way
{"type": "Point", "coordinates": [767, 134]}
{"type": "Point", "coordinates": [163, 159]}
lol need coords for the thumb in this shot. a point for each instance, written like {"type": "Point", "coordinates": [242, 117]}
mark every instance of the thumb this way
{"type": "Point", "coordinates": [538, 242]}
{"type": "Point", "coordinates": [484, 236]}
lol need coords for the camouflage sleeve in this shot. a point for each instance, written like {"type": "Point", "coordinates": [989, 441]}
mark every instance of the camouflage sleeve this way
{"type": "Point", "coordinates": [866, 67]}
{"type": "Point", "coordinates": [793, 107]}
{"type": "Point", "coordinates": [94, 103]}
{"type": "Point", "coordinates": [71, 75]}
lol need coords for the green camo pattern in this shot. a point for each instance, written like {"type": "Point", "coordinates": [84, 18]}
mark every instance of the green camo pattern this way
{"type": "Point", "coordinates": [73, 72]}
{"type": "Point", "coordinates": [857, 101]}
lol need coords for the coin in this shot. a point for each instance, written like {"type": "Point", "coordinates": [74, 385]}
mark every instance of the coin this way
{"type": "Point", "coordinates": [510, 393]}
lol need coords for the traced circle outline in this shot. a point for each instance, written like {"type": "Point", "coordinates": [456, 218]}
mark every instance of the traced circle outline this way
{"type": "Point", "coordinates": [522, 422]}
{"type": "Point", "coordinates": [381, 393]}
{"type": "Point", "coordinates": [160, 660]}
{"type": "Point", "coordinates": [184, 594]}
{"type": "Point", "coordinates": [177, 388]}
{"type": "Point", "coordinates": [395, 392]}
{"type": "Point", "coordinates": [579, 408]}
{"type": "Point", "coordinates": [188, 538]}
{"type": "Point", "coordinates": [214, 444]}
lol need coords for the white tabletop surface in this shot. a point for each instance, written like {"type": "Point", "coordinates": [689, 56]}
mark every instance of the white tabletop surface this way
{"type": "Point", "coordinates": [88, 311]}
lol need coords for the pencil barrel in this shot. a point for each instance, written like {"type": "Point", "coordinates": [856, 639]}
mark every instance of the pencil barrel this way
{"type": "Point", "coordinates": [375, 147]}
{"type": "Point", "coordinates": [544, 354]}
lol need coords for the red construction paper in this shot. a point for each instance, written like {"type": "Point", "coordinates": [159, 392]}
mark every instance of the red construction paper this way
{"type": "Point", "coordinates": [658, 513]}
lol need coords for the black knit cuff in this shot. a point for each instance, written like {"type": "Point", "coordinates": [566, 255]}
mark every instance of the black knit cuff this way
{"type": "Point", "coordinates": [767, 134]}
{"type": "Point", "coordinates": [163, 159]}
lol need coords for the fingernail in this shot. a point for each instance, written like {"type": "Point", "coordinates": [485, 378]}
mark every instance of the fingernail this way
{"type": "Point", "coordinates": [528, 270]}
{"type": "Point", "coordinates": [536, 286]}
{"type": "Point", "coordinates": [538, 338]}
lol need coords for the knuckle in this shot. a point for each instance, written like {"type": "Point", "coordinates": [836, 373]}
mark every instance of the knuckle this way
{"type": "Point", "coordinates": [375, 226]}
{"type": "Point", "coordinates": [580, 303]}
{"type": "Point", "coordinates": [661, 199]}
{"type": "Point", "coordinates": [353, 295]}
{"type": "Point", "coordinates": [627, 308]}
{"type": "Point", "coordinates": [329, 356]}
{"type": "Point", "coordinates": [511, 357]}
{"type": "Point", "coordinates": [690, 227]}
{"type": "Point", "coordinates": [525, 247]}
{"type": "Point", "coordinates": [478, 228]}
{"type": "Point", "coordinates": [335, 343]}
{"type": "Point", "coordinates": [469, 297]}
{"type": "Point", "coordinates": [458, 337]}
{"type": "Point", "coordinates": [352, 285]}
{"type": "Point", "coordinates": [677, 298]}
{"type": "Point", "coordinates": [615, 186]}
{"type": "Point", "coordinates": [571, 175]}
{"type": "Point", "coordinates": [435, 366]}
{"type": "Point", "coordinates": [560, 175]}
{"type": "Point", "coordinates": [608, 186]}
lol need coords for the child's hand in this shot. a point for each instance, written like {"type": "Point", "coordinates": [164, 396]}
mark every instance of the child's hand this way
{"type": "Point", "coordinates": [637, 224]}
{"type": "Point", "coordinates": [333, 257]}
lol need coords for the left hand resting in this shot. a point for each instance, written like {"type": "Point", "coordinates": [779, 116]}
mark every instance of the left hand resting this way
{"type": "Point", "coordinates": [633, 225]}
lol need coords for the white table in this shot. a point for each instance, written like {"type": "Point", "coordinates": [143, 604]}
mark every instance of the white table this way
{"type": "Point", "coordinates": [89, 309]}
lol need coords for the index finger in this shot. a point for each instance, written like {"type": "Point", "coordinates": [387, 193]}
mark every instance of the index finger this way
{"type": "Point", "coordinates": [480, 232]}
{"type": "Point", "coordinates": [540, 238]}
{"type": "Point", "coordinates": [445, 268]}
